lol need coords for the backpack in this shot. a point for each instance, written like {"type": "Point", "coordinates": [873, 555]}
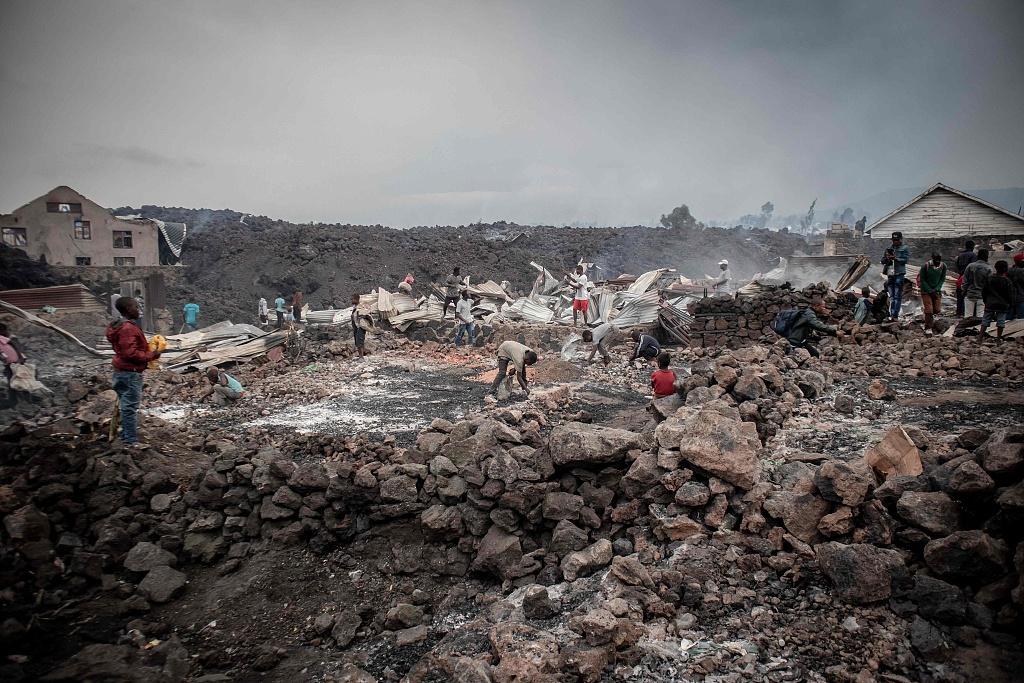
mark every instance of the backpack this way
{"type": "Point", "coordinates": [784, 321]}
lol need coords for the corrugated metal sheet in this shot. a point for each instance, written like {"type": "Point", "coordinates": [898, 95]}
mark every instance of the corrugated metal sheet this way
{"type": "Point", "coordinates": [646, 281]}
{"type": "Point", "coordinates": [641, 310]}
{"type": "Point", "coordinates": [530, 311]}
{"type": "Point", "coordinates": [74, 298]}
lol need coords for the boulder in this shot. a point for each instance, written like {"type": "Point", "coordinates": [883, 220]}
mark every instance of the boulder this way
{"type": "Point", "coordinates": [499, 553]}
{"type": "Point", "coordinates": [403, 615]}
{"type": "Point", "coordinates": [844, 482]}
{"type": "Point", "coordinates": [935, 512]}
{"type": "Point", "coordinates": [723, 446]}
{"type": "Point", "coordinates": [967, 557]}
{"type": "Point", "coordinates": [969, 479]}
{"type": "Point", "coordinates": [749, 387]}
{"type": "Point", "coordinates": [559, 505]}
{"type": "Point", "coordinates": [575, 443]}
{"type": "Point", "coordinates": [811, 383]}
{"type": "Point", "coordinates": [936, 599]}
{"type": "Point", "coordinates": [399, 489]}
{"type": "Point", "coordinates": [629, 571]}
{"type": "Point", "coordinates": [27, 524]}
{"type": "Point", "coordinates": [567, 537]}
{"type": "Point", "coordinates": [145, 556]}
{"type": "Point", "coordinates": [588, 560]}
{"type": "Point", "coordinates": [538, 603]}
{"type": "Point", "coordinates": [879, 390]}
{"type": "Point", "coordinates": [896, 453]}
{"type": "Point", "coordinates": [693, 494]}
{"type": "Point", "coordinates": [1003, 453]}
{"type": "Point", "coordinates": [861, 573]}
{"type": "Point", "coordinates": [162, 584]}
{"type": "Point", "coordinates": [800, 512]}
{"type": "Point", "coordinates": [345, 626]}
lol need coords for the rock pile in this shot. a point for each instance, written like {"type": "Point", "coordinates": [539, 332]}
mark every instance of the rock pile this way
{"type": "Point", "coordinates": [738, 322]}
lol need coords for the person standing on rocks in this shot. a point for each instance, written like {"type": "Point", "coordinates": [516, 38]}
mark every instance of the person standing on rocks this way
{"type": "Point", "coordinates": [297, 305]}
{"type": "Point", "coordinates": [452, 285]}
{"type": "Point", "coordinates": [975, 277]}
{"type": "Point", "coordinates": [897, 261]}
{"type": "Point", "coordinates": [519, 355]}
{"type": "Point", "coordinates": [647, 347]}
{"type": "Point", "coordinates": [723, 283]}
{"type": "Point", "coordinates": [963, 259]}
{"type": "Point", "coordinates": [263, 311]}
{"type": "Point", "coordinates": [279, 310]}
{"type": "Point", "coordinates": [932, 278]}
{"type": "Point", "coordinates": [599, 336]}
{"type": "Point", "coordinates": [358, 333]}
{"type": "Point", "coordinates": [580, 295]}
{"type": "Point", "coordinates": [190, 312]}
{"type": "Point", "coordinates": [1016, 276]}
{"type": "Point", "coordinates": [405, 286]}
{"type": "Point", "coordinates": [131, 356]}
{"type": "Point", "coordinates": [999, 300]}
{"type": "Point", "coordinates": [464, 317]}
{"type": "Point", "coordinates": [224, 388]}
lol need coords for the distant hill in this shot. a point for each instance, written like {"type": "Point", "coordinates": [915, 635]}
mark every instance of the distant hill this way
{"type": "Point", "coordinates": [876, 206]}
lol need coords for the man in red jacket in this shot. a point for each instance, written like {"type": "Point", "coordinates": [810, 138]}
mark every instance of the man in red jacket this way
{"type": "Point", "coordinates": [131, 355]}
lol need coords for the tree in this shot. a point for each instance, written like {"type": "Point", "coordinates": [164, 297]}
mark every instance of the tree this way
{"type": "Point", "coordinates": [680, 219]}
{"type": "Point", "coordinates": [766, 213]}
{"type": "Point", "coordinates": [807, 221]}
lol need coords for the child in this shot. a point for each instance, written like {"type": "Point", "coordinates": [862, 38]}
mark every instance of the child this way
{"type": "Point", "coordinates": [358, 333]}
{"type": "Point", "coordinates": [663, 379]}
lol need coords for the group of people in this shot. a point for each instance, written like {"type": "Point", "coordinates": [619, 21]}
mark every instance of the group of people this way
{"type": "Point", "coordinates": [285, 311]}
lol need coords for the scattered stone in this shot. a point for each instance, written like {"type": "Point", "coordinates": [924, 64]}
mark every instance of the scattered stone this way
{"type": "Point", "coordinates": [861, 573]}
{"type": "Point", "coordinates": [163, 584]}
{"type": "Point", "coordinates": [935, 512]}
{"type": "Point", "coordinates": [145, 556]}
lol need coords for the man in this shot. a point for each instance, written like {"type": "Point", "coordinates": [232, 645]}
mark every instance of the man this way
{"type": "Point", "coordinates": [520, 356]}
{"type": "Point", "coordinates": [932, 277]}
{"type": "Point", "coordinates": [113, 305]}
{"type": "Point", "coordinates": [224, 388]}
{"type": "Point", "coordinates": [663, 380]}
{"type": "Point", "coordinates": [131, 356]}
{"type": "Point", "coordinates": [297, 306]}
{"type": "Point", "coordinates": [358, 333]}
{"type": "Point", "coordinates": [263, 311]}
{"type": "Point", "coordinates": [10, 354]}
{"type": "Point", "coordinates": [452, 286]}
{"type": "Point", "coordinates": [647, 347]}
{"type": "Point", "coordinates": [279, 310]}
{"type": "Point", "coordinates": [405, 286]}
{"type": "Point", "coordinates": [975, 277]}
{"type": "Point", "coordinates": [580, 295]}
{"type": "Point", "coordinates": [464, 317]}
{"type": "Point", "coordinates": [191, 313]}
{"type": "Point", "coordinates": [963, 259]}
{"type": "Point", "coordinates": [798, 325]}
{"type": "Point", "coordinates": [142, 308]}
{"type": "Point", "coordinates": [999, 300]}
{"type": "Point", "coordinates": [897, 261]}
{"type": "Point", "coordinates": [722, 284]}
{"type": "Point", "coordinates": [1016, 276]}
{"type": "Point", "coordinates": [863, 308]}
{"type": "Point", "coordinates": [880, 307]}
{"type": "Point", "coordinates": [599, 336]}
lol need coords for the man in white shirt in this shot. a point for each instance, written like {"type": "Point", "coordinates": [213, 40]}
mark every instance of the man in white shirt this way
{"type": "Point", "coordinates": [464, 317]}
{"type": "Point", "coordinates": [723, 283]}
{"type": "Point", "coordinates": [599, 336]}
{"type": "Point", "coordinates": [263, 311]}
{"type": "Point", "coordinates": [581, 297]}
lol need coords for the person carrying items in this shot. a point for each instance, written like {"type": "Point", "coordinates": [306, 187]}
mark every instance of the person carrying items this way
{"type": "Point", "coordinates": [963, 259]}
{"type": "Point", "coordinates": [999, 301]}
{"type": "Point", "coordinates": [131, 357]}
{"type": "Point", "coordinates": [464, 317]}
{"type": "Point", "coordinates": [224, 388]}
{"type": "Point", "coordinates": [931, 278]}
{"type": "Point", "coordinates": [10, 354]}
{"type": "Point", "coordinates": [896, 259]}
{"type": "Point", "coordinates": [798, 326]}
{"type": "Point", "coordinates": [721, 284]}
{"type": "Point", "coordinates": [519, 355]}
{"type": "Point", "coordinates": [452, 286]}
{"type": "Point", "coordinates": [599, 337]}
{"type": "Point", "coordinates": [263, 311]}
{"type": "Point", "coordinates": [297, 306]}
{"type": "Point", "coordinates": [975, 276]}
{"type": "Point", "coordinates": [647, 347]}
{"type": "Point", "coordinates": [663, 380]}
{"type": "Point", "coordinates": [358, 333]}
{"type": "Point", "coordinates": [863, 308]}
{"type": "Point", "coordinates": [190, 313]}
{"type": "Point", "coordinates": [580, 296]}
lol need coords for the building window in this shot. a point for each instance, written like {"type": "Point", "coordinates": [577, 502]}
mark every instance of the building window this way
{"type": "Point", "coordinates": [83, 261]}
{"type": "Point", "coordinates": [15, 237]}
{"type": "Point", "coordinates": [64, 207]}
{"type": "Point", "coordinates": [122, 239]}
{"type": "Point", "coordinates": [83, 230]}
{"type": "Point", "coordinates": [124, 260]}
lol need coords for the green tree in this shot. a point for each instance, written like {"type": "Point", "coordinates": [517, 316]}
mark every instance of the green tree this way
{"type": "Point", "coordinates": [680, 219]}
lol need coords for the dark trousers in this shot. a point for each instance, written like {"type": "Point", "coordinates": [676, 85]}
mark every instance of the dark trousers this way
{"type": "Point", "coordinates": [960, 296]}
{"type": "Point", "coordinates": [280, 319]}
{"type": "Point", "coordinates": [453, 300]}
{"type": "Point", "coordinates": [502, 373]}
{"type": "Point", "coordinates": [895, 294]}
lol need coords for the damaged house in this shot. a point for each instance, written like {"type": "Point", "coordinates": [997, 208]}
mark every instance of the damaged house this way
{"type": "Point", "coordinates": [65, 228]}
{"type": "Point", "coordinates": [943, 212]}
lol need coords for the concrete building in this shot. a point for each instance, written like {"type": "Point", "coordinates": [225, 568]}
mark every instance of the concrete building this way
{"type": "Point", "coordinates": [65, 228]}
{"type": "Point", "coordinates": [942, 212]}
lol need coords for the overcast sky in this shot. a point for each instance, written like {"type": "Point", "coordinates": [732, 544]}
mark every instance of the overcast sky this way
{"type": "Point", "coordinates": [411, 113]}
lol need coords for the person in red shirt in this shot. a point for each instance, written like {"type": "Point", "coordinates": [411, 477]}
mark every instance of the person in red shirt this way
{"type": "Point", "coordinates": [663, 379]}
{"type": "Point", "coordinates": [131, 356]}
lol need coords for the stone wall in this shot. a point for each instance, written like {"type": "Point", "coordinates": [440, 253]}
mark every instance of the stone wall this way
{"type": "Point", "coordinates": [739, 322]}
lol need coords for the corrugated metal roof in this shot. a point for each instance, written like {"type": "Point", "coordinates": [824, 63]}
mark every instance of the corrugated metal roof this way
{"type": "Point", "coordinates": [641, 310]}
{"type": "Point", "coordinates": [75, 298]}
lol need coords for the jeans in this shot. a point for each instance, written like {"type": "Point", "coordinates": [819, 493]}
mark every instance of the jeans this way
{"type": "Point", "coordinates": [128, 386]}
{"type": "Point", "coordinates": [1018, 312]}
{"type": "Point", "coordinates": [463, 328]}
{"type": "Point", "coordinates": [960, 295]}
{"type": "Point", "coordinates": [895, 286]}
{"type": "Point", "coordinates": [1000, 318]}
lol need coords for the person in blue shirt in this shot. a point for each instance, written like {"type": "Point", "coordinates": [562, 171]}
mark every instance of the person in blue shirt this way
{"type": "Point", "coordinates": [191, 312]}
{"type": "Point", "coordinates": [897, 262]}
{"type": "Point", "coordinates": [224, 388]}
{"type": "Point", "coordinates": [279, 309]}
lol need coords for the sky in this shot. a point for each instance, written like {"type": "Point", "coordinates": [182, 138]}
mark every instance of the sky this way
{"type": "Point", "coordinates": [433, 112]}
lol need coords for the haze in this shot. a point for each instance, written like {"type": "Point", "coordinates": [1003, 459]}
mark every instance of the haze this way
{"type": "Point", "coordinates": [423, 113]}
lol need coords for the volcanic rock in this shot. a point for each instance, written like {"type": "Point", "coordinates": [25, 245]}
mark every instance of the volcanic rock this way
{"type": "Point", "coordinates": [575, 442]}
{"type": "Point", "coordinates": [163, 584]}
{"type": "Point", "coordinates": [935, 512]}
{"type": "Point", "coordinates": [861, 573]}
{"type": "Point", "coordinates": [967, 557]}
